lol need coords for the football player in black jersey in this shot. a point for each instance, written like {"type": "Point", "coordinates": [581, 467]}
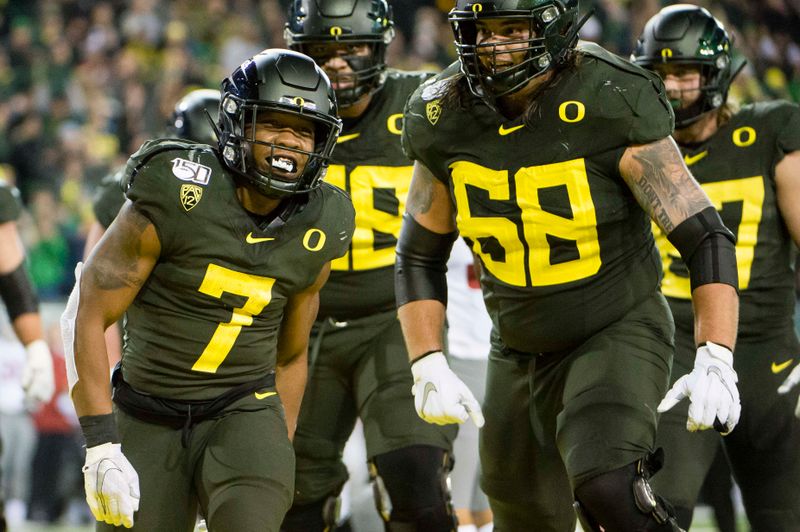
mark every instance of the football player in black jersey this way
{"type": "Point", "coordinates": [216, 260]}
{"type": "Point", "coordinates": [359, 363]}
{"type": "Point", "coordinates": [189, 121]}
{"type": "Point", "coordinates": [748, 162]}
{"type": "Point", "coordinates": [551, 157]}
{"type": "Point", "coordinates": [19, 297]}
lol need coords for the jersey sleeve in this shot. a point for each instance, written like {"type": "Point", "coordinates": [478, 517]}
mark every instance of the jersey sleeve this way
{"type": "Point", "coordinates": [109, 198]}
{"type": "Point", "coordinates": [789, 133]}
{"type": "Point", "coordinates": [150, 184]}
{"type": "Point", "coordinates": [10, 205]}
{"type": "Point", "coordinates": [342, 214]}
{"type": "Point", "coordinates": [419, 119]}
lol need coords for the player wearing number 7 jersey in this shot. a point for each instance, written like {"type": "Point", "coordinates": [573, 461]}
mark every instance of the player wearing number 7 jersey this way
{"type": "Point", "coordinates": [359, 364]}
{"type": "Point", "coordinates": [550, 157]}
{"type": "Point", "coordinates": [216, 260]}
{"type": "Point", "coordinates": [748, 162]}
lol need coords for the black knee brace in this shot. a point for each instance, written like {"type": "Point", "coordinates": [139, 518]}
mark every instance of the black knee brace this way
{"type": "Point", "coordinates": [411, 491]}
{"type": "Point", "coordinates": [622, 501]}
{"type": "Point", "coordinates": [319, 516]}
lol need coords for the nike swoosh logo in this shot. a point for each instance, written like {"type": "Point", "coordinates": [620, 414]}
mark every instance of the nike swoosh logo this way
{"type": "Point", "coordinates": [264, 395]}
{"type": "Point", "coordinates": [503, 131]}
{"type": "Point", "coordinates": [256, 239]}
{"type": "Point", "coordinates": [690, 160]}
{"type": "Point", "coordinates": [345, 138]}
{"type": "Point", "coordinates": [429, 387]}
{"type": "Point", "coordinates": [777, 368]}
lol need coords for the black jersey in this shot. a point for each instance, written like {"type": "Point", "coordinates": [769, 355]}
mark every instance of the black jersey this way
{"type": "Point", "coordinates": [565, 248]}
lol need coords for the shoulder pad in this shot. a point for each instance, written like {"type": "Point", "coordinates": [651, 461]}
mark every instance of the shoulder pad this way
{"type": "Point", "coordinates": [150, 149]}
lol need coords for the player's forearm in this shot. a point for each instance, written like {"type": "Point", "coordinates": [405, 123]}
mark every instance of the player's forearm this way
{"type": "Point", "coordinates": [716, 311]}
{"type": "Point", "coordinates": [423, 326]}
{"type": "Point", "coordinates": [28, 327]}
{"type": "Point", "coordinates": [290, 381]}
{"type": "Point", "coordinates": [92, 393]}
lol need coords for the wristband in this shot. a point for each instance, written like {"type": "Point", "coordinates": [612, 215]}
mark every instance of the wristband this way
{"type": "Point", "coordinates": [99, 429]}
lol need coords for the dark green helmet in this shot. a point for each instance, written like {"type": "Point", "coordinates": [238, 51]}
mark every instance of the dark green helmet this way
{"type": "Point", "coordinates": [282, 81]}
{"type": "Point", "coordinates": [689, 35]}
{"type": "Point", "coordinates": [554, 32]}
{"type": "Point", "coordinates": [346, 22]}
{"type": "Point", "coordinates": [190, 119]}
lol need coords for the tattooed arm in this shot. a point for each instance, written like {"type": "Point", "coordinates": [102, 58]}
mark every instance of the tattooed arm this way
{"type": "Point", "coordinates": [663, 186]}
{"type": "Point", "coordinates": [430, 205]}
{"type": "Point", "coordinates": [114, 272]}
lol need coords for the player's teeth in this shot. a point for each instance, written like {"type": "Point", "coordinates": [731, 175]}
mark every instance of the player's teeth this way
{"type": "Point", "coordinates": [284, 163]}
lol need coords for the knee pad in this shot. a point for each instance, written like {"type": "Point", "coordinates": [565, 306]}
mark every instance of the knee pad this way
{"type": "Point", "coordinates": [411, 490]}
{"type": "Point", "coordinates": [319, 516]}
{"type": "Point", "coordinates": [623, 501]}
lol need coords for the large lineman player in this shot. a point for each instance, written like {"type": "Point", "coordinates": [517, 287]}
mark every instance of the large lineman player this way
{"type": "Point", "coordinates": [217, 261]}
{"type": "Point", "coordinates": [551, 159]}
{"type": "Point", "coordinates": [748, 162]}
{"type": "Point", "coordinates": [359, 364]}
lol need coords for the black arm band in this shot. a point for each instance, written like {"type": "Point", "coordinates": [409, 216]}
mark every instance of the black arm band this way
{"type": "Point", "coordinates": [98, 430]}
{"type": "Point", "coordinates": [708, 249]}
{"type": "Point", "coordinates": [17, 293]}
{"type": "Point", "coordinates": [421, 265]}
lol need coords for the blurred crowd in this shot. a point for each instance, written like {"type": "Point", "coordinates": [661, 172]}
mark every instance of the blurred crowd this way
{"type": "Point", "coordinates": [84, 82]}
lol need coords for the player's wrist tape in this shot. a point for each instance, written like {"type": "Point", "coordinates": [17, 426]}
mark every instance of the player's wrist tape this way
{"type": "Point", "coordinates": [17, 292]}
{"type": "Point", "coordinates": [425, 354]}
{"type": "Point", "coordinates": [99, 429]}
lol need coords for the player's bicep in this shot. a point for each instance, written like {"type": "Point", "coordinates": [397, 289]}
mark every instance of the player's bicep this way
{"type": "Point", "coordinates": [787, 180]}
{"type": "Point", "coordinates": [298, 317]}
{"type": "Point", "coordinates": [119, 265]}
{"type": "Point", "coordinates": [429, 201]}
{"type": "Point", "coordinates": [661, 183]}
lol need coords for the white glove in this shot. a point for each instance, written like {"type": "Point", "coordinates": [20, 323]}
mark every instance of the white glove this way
{"type": "Point", "coordinates": [111, 484]}
{"type": "Point", "coordinates": [38, 379]}
{"type": "Point", "coordinates": [711, 388]}
{"type": "Point", "coordinates": [791, 381]}
{"type": "Point", "coordinates": [439, 395]}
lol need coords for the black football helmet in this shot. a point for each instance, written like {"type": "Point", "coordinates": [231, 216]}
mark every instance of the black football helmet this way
{"type": "Point", "coordinates": [554, 31]}
{"type": "Point", "coordinates": [689, 35]}
{"type": "Point", "coordinates": [357, 22]}
{"type": "Point", "coordinates": [282, 81]}
{"type": "Point", "coordinates": [190, 119]}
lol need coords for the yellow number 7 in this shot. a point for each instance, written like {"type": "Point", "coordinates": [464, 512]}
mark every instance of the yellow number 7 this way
{"type": "Point", "coordinates": [257, 290]}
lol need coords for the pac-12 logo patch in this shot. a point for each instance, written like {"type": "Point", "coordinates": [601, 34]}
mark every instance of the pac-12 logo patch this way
{"type": "Point", "coordinates": [190, 196]}
{"type": "Point", "coordinates": [433, 111]}
{"type": "Point", "coordinates": [186, 170]}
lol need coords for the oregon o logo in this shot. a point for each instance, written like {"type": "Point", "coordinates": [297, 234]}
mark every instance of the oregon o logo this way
{"type": "Point", "coordinates": [666, 53]}
{"type": "Point", "coordinates": [317, 236]}
{"type": "Point", "coordinates": [477, 8]}
{"type": "Point", "coordinates": [579, 113]}
{"type": "Point", "coordinates": [336, 31]}
{"type": "Point", "coordinates": [395, 124]}
{"type": "Point", "coordinates": [744, 136]}
{"type": "Point", "coordinates": [298, 101]}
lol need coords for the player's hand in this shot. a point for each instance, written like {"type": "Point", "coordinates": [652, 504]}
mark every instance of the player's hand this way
{"type": "Point", "coordinates": [439, 395]}
{"type": "Point", "coordinates": [791, 381]}
{"type": "Point", "coordinates": [711, 388]}
{"type": "Point", "coordinates": [38, 379]}
{"type": "Point", "coordinates": [111, 484]}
